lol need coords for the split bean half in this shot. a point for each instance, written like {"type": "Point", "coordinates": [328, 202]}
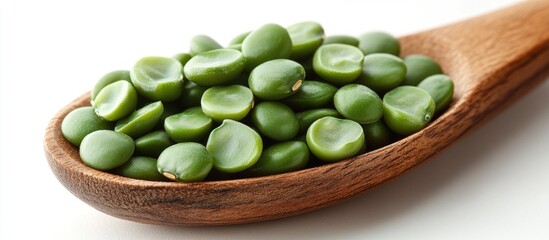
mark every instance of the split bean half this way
{"type": "Point", "coordinates": [108, 79]}
{"type": "Point", "coordinates": [192, 125]}
{"type": "Point", "coordinates": [306, 38]}
{"type": "Point", "coordinates": [158, 78]}
{"type": "Point", "coordinates": [332, 139]}
{"type": "Point", "coordinates": [227, 102]}
{"type": "Point", "coordinates": [337, 63]}
{"type": "Point", "coordinates": [407, 109]}
{"type": "Point", "coordinates": [215, 67]}
{"type": "Point", "coordinates": [234, 146]}
{"type": "Point", "coordinates": [115, 101]}
{"type": "Point", "coordinates": [141, 121]}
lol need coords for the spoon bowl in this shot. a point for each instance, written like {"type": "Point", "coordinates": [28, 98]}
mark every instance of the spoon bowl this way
{"type": "Point", "coordinates": [492, 59]}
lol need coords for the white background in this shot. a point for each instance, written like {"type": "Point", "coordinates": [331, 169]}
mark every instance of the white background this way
{"type": "Point", "coordinates": [491, 184]}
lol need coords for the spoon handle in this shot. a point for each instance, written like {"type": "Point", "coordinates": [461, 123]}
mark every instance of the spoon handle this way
{"type": "Point", "coordinates": [493, 54]}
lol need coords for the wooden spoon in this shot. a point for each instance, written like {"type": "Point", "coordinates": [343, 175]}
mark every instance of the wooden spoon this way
{"type": "Point", "coordinates": [492, 59]}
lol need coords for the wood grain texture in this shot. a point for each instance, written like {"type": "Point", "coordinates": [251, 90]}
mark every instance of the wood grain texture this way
{"type": "Point", "coordinates": [493, 59]}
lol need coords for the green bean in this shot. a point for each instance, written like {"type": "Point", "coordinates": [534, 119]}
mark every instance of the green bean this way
{"type": "Point", "coordinates": [378, 42]}
{"type": "Point", "coordinates": [332, 139]}
{"type": "Point", "coordinates": [106, 149]}
{"type": "Point", "coordinates": [215, 67]}
{"type": "Point", "coordinates": [408, 109]}
{"type": "Point", "coordinates": [275, 120]}
{"type": "Point", "coordinates": [382, 72]}
{"type": "Point", "coordinates": [152, 144]}
{"type": "Point", "coordinates": [141, 121]}
{"type": "Point", "coordinates": [306, 38]}
{"type": "Point", "coordinates": [108, 79]}
{"type": "Point", "coordinates": [192, 125]}
{"type": "Point", "coordinates": [227, 102]}
{"type": "Point", "coordinates": [337, 63]}
{"type": "Point", "coordinates": [270, 41]}
{"type": "Point", "coordinates": [441, 88]}
{"type": "Point", "coordinates": [203, 43]}
{"type": "Point", "coordinates": [234, 146]}
{"type": "Point", "coordinates": [81, 122]}
{"type": "Point", "coordinates": [139, 167]}
{"type": "Point", "coordinates": [276, 79]}
{"type": "Point", "coordinates": [312, 94]}
{"type": "Point", "coordinates": [358, 103]}
{"type": "Point", "coordinates": [419, 67]}
{"type": "Point", "coordinates": [115, 101]}
{"type": "Point", "coordinates": [280, 158]}
{"type": "Point", "coordinates": [158, 78]}
{"type": "Point", "coordinates": [185, 162]}
{"type": "Point", "coordinates": [343, 39]}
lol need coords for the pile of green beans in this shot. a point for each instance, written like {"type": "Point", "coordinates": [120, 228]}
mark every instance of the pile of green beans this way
{"type": "Point", "coordinates": [274, 100]}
